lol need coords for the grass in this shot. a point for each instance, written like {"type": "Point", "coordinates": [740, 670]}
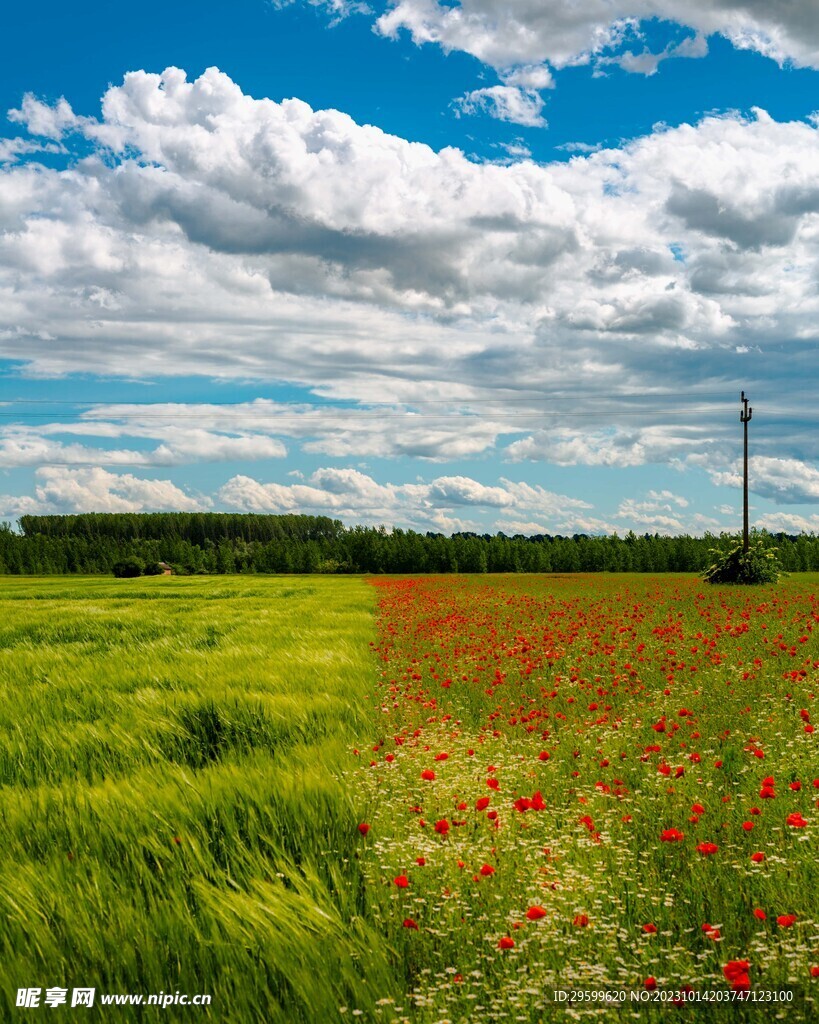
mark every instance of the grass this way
{"type": "Point", "coordinates": [170, 813]}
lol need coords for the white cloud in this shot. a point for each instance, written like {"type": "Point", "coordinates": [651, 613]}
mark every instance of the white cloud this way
{"type": "Point", "coordinates": [461, 490]}
{"type": "Point", "coordinates": [650, 514]}
{"type": "Point", "coordinates": [505, 103]}
{"type": "Point", "coordinates": [51, 121]}
{"type": "Point", "coordinates": [531, 76]}
{"type": "Point", "coordinates": [785, 481]}
{"type": "Point", "coordinates": [62, 490]}
{"type": "Point", "coordinates": [663, 496]}
{"type": "Point", "coordinates": [535, 498]}
{"type": "Point", "coordinates": [248, 431]}
{"type": "Point", "coordinates": [12, 506]}
{"type": "Point", "coordinates": [524, 526]}
{"type": "Point", "coordinates": [784, 522]}
{"type": "Point", "coordinates": [356, 497]}
{"type": "Point", "coordinates": [504, 34]}
{"type": "Point", "coordinates": [12, 150]}
{"type": "Point", "coordinates": [243, 238]}
{"type": "Point", "coordinates": [565, 449]}
{"type": "Point", "coordinates": [27, 446]}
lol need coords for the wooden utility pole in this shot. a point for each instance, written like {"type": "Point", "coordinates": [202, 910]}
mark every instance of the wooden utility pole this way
{"type": "Point", "coordinates": [745, 414]}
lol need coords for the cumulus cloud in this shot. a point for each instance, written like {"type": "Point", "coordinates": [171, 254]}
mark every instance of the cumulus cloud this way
{"type": "Point", "coordinates": [355, 496]}
{"type": "Point", "coordinates": [650, 514]}
{"type": "Point", "coordinates": [59, 489]}
{"type": "Point", "coordinates": [13, 150]}
{"type": "Point", "coordinates": [442, 504]}
{"type": "Point", "coordinates": [666, 496]}
{"type": "Point", "coordinates": [503, 34]}
{"type": "Point", "coordinates": [557, 313]}
{"type": "Point", "coordinates": [505, 103]}
{"type": "Point", "coordinates": [461, 490]}
{"type": "Point", "coordinates": [786, 522]}
{"type": "Point", "coordinates": [785, 481]}
{"type": "Point", "coordinates": [52, 121]}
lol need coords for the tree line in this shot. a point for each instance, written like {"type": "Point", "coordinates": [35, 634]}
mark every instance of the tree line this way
{"type": "Point", "coordinates": [205, 543]}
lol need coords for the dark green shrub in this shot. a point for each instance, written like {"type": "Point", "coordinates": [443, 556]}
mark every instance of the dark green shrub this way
{"type": "Point", "coordinates": [153, 569]}
{"type": "Point", "coordinates": [127, 568]}
{"type": "Point", "coordinates": [758, 564]}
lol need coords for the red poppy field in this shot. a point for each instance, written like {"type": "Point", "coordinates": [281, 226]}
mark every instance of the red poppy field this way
{"type": "Point", "coordinates": [588, 789]}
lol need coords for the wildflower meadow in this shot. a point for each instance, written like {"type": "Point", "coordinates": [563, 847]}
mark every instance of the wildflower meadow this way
{"type": "Point", "coordinates": [586, 785]}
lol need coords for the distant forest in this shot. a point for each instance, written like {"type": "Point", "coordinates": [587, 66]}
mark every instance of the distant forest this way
{"type": "Point", "coordinates": [211, 542]}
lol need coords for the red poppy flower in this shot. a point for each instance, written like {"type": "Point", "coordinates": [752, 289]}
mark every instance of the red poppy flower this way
{"type": "Point", "coordinates": [814, 971]}
{"type": "Point", "coordinates": [401, 881]}
{"type": "Point", "coordinates": [706, 849]}
{"type": "Point", "coordinates": [506, 943]}
{"type": "Point", "coordinates": [650, 929]}
{"type": "Point", "coordinates": [650, 983]}
{"type": "Point", "coordinates": [580, 921]}
{"type": "Point", "coordinates": [363, 828]}
{"type": "Point", "coordinates": [482, 803]}
{"type": "Point", "coordinates": [786, 920]}
{"type": "Point", "coordinates": [487, 870]}
{"type": "Point", "coordinates": [442, 827]}
{"type": "Point", "coordinates": [760, 914]}
{"type": "Point", "coordinates": [420, 861]}
{"type": "Point", "coordinates": [535, 913]}
{"type": "Point", "coordinates": [671, 835]}
{"type": "Point", "coordinates": [757, 858]}
{"type": "Point", "coordinates": [796, 820]}
{"type": "Point", "coordinates": [409, 923]}
{"type": "Point", "coordinates": [747, 826]}
{"type": "Point", "coordinates": [428, 774]}
{"type": "Point", "coordinates": [736, 971]}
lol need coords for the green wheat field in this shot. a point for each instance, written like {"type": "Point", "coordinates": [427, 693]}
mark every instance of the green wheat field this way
{"type": "Point", "coordinates": [337, 799]}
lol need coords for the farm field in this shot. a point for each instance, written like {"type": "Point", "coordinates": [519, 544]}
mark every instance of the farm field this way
{"type": "Point", "coordinates": [424, 799]}
{"type": "Point", "coordinates": [170, 815]}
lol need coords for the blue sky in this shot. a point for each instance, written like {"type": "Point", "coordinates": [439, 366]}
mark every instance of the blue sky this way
{"type": "Point", "coordinates": [494, 266]}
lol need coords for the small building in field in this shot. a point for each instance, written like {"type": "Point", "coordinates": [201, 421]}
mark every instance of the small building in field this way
{"type": "Point", "coordinates": [166, 569]}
